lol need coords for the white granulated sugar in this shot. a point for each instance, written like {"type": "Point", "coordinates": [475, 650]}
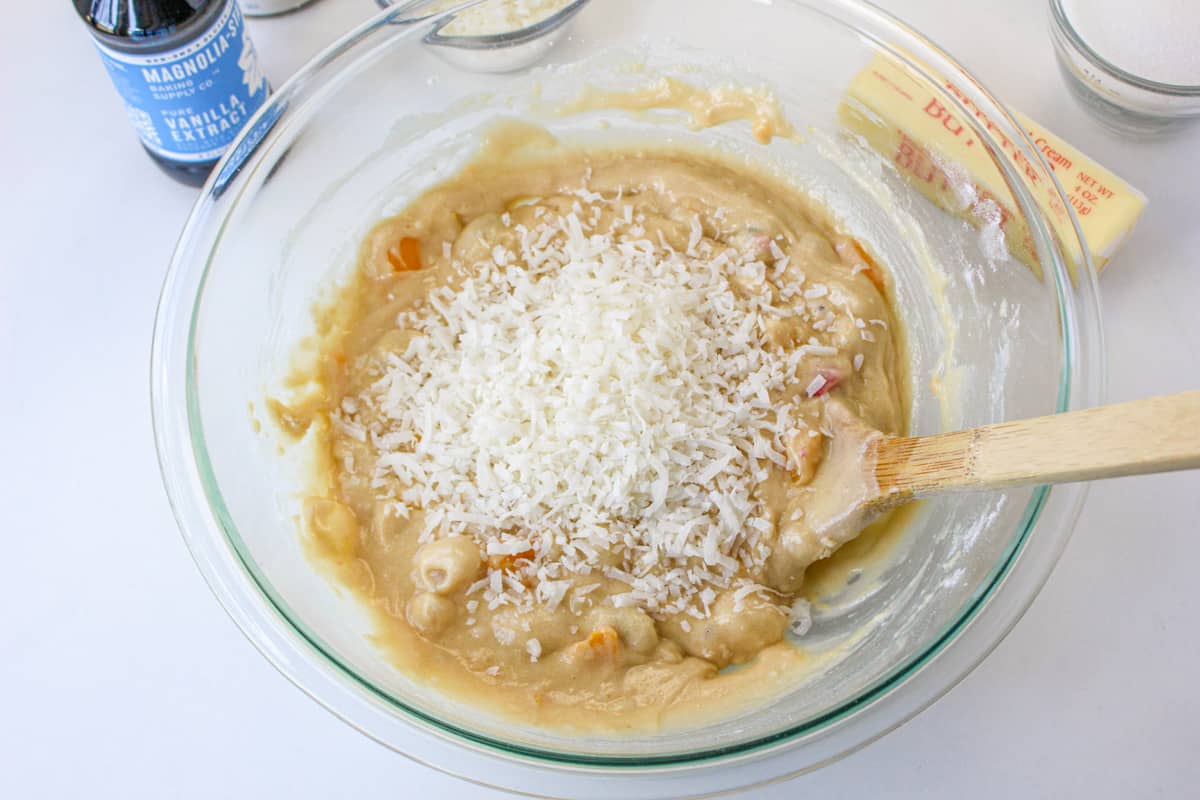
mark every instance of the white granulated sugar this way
{"type": "Point", "coordinates": [1154, 39]}
{"type": "Point", "coordinates": [593, 393]}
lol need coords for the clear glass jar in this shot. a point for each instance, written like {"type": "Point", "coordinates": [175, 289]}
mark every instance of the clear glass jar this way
{"type": "Point", "coordinates": [506, 51]}
{"type": "Point", "coordinates": [1125, 102]}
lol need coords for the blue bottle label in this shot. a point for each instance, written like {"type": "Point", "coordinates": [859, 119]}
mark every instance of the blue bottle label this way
{"type": "Point", "coordinates": [188, 104]}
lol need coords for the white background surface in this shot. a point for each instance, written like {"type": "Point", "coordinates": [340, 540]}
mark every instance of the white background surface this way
{"type": "Point", "coordinates": [121, 677]}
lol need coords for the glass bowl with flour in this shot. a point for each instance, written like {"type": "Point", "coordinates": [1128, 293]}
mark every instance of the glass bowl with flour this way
{"type": "Point", "coordinates": [494, 35]}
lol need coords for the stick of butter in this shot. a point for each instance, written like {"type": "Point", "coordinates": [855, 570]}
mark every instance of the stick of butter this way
{"type": "Point", "coordinates": [909, 124]}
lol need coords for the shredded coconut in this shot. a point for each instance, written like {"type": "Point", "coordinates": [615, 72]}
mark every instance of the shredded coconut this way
{"type": "Point", "coordinates": [592, 393]}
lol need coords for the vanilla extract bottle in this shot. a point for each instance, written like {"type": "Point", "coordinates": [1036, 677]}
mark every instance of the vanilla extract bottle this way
{"type": "Point", "coordinates": [188, 74]}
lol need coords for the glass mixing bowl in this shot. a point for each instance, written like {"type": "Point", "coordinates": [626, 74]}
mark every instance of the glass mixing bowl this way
{"type": "Point", "coordinates": [377, 117]}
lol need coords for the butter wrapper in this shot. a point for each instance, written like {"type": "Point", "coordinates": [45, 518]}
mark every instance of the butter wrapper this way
{"type": "Point", "coordinates": [902, 118]}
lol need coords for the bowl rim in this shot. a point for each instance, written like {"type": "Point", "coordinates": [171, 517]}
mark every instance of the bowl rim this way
{"type": "Point", "coordinates": [1062, 24]}
{"type": "Point", "coordinates": [173, 404]}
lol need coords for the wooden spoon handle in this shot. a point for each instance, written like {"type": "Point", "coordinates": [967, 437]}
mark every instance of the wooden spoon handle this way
{"type": "Point", "coordinates": [1158, 434]}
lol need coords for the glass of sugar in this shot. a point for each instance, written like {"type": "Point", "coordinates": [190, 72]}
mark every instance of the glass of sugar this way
{"type": "Point", "coordinates": [1135, 66]}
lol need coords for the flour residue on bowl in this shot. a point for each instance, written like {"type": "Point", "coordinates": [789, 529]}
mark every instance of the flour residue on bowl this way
{"type": "Point", "coordinates": [704, 106]}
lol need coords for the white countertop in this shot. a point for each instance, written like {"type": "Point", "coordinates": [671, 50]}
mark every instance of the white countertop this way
{"type": "Point", "coordinates": [121, 677]}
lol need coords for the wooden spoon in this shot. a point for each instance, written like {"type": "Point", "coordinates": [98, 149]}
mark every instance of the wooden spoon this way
{"type": "Point", "coordinates": [868, 473]}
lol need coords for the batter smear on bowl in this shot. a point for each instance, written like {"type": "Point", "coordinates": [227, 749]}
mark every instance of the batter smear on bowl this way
{"type": "Point", "coordinates": [572, 403]}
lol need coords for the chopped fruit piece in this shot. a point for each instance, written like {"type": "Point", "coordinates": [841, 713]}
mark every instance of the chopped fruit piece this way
{"type": "Point", "coordinates": [832, 379]}
{"type": "Point", "coordinates": [508, 562]}
{"type": "Point", "coordinates": [853, 256]}
{"type": "Point", "coordinates": [604, 639]}
{"type": "Point", "coordinates": [602, 645]}
{"type": "Point", "coordinates": [807, 452]}
{"type": "Point", "coordinates": [406, 257]}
